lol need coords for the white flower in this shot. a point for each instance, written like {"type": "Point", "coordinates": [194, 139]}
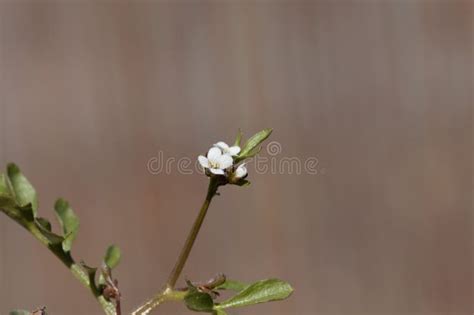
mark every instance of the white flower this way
{"type": "Point", "coordinates": [232, 151]}
{"type": "Point", "coordinates": [216, 162]}
{"type": "Point", "coordinates": [241, 171]}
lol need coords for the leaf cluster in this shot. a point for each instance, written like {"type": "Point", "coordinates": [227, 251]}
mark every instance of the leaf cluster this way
{"type": "Point", "coordinates": [19, 201]}
{"type": "Point", "coordinates": [262, 291]}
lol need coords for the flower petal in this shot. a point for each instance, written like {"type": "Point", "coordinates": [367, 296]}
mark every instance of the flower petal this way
{"type": "Point", "coordinates": [241, 171]}
{"type": "Point", "coordinates": [203, 161]}
{"type": "Point", "coordinates": [216, 171]}
{"type": "Point", "coordinates": [222, 145]}
{"type": "Point", "coordinates": [225, 161]}
{"type": "Point", "coordinates": [233, 150]}
{"type": "Point", "coordinates": [214, 154]}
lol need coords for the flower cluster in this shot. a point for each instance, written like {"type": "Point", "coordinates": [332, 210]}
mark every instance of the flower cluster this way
{"type": "Point", "coordinates": [221, 160]}
{"type": "Point", "coordinates": [226, 163]}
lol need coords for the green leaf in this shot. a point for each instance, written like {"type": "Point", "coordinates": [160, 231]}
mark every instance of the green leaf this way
{"type": "Point", "coordinates": [232, 285]}
{"type": "Point", "coordinates": [111, 260]}
{"type": "Point", "coordinates": [254, 152]}
{"type": "Point", "coordinates": [24, 192]}
{"type": "Point", "coordinates": [238, 139]}
{"type": "Point", "coordinates": [219, 312]}
{"type": "Point", "coordinates": [259, 292]}
{"type": "Point", "coordinates": [112, 256]}
{"type": "Point", "coordinates": [6, 195]}
{"type": "Point", "coordinates": [26, 212]}
{"type": "Point", "coordinates": [69, 222]}
{"type": "Point", "coordinates": [251, 147]}
{"type": "Point", "coordinates": [198, 301]}
{"type": "Point", "coordinates": [44, 223]}
{"type": "Point", "coordinates": [91, 272]}
{"type": "Point", "coordinates": [44, 226]}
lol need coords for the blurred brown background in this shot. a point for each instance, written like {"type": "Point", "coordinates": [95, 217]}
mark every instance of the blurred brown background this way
{"type": "Point", "coordinates": [380, 92]}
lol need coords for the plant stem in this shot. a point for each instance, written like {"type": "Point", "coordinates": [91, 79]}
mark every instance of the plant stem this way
{"type": "Point", "coordinates": [78, 272]}
{"type": "Point", "coordinates": [188, 245]}
{"type": "Point", "coordinates": [168, 293]}
{"type": "Point", "coordinates": [164, 296]}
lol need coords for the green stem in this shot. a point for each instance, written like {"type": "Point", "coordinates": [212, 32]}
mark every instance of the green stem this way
{"type": "Point", "coordinates": [168, 293]}
{"type": "Point", "coordinates": [165, 295]}
{"type": "Point", "coordinates": [188, 245]}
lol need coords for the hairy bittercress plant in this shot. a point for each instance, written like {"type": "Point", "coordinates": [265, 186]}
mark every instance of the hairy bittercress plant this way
{"type": "Point", "coordinates": [223, 164]}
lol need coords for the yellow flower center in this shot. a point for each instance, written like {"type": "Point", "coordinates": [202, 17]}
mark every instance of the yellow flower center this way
{"type": "Point", "coordinates": [213, 164]}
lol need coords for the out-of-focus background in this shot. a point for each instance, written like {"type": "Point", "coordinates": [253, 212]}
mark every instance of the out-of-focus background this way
{"type": "Point", "coordinates": [379, 92]}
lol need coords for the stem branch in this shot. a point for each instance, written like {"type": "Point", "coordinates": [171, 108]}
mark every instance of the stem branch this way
{"type": "Point", "coordinates": [164, 296]}
{"type": "Point", "coordinates": [78, 272]}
